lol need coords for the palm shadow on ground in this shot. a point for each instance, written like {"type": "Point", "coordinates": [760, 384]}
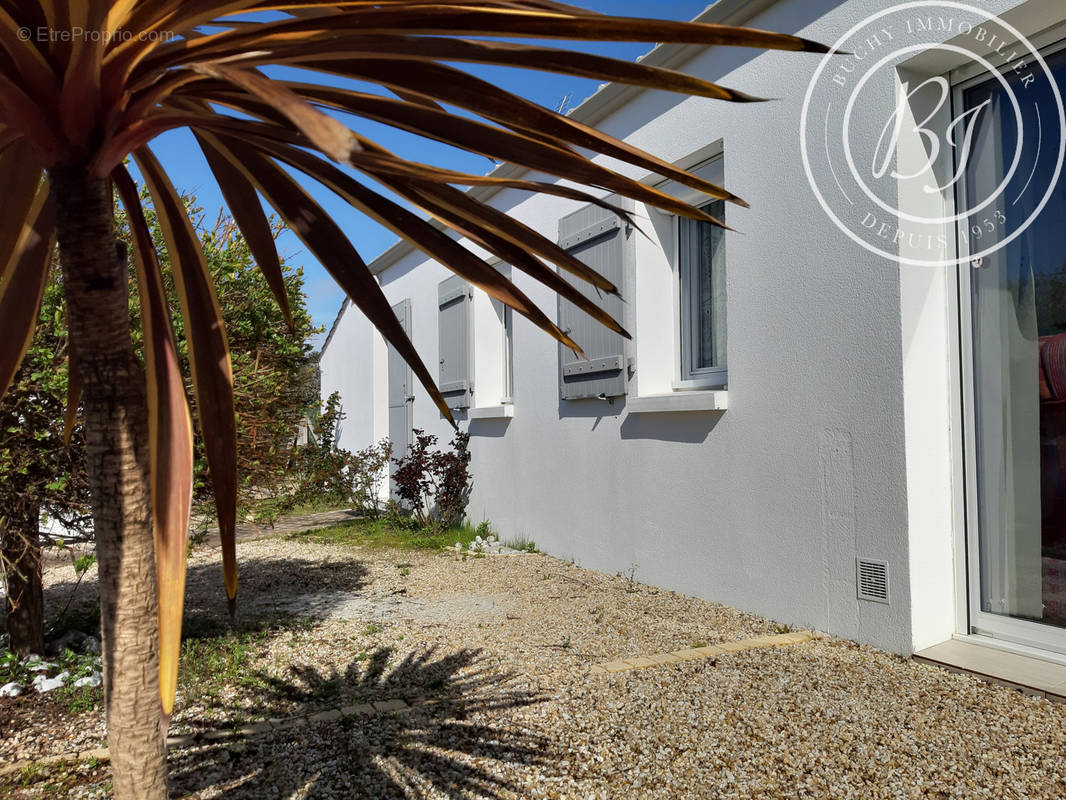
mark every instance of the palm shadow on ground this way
{"type": "Point", "coordinates": [312, 589]}
{"type": "Point", "coordinates": [324, 584]}
{"type": "Point", "coordinates": [455, 741]}
{"type": "Point", "coordinates": [270, 589]}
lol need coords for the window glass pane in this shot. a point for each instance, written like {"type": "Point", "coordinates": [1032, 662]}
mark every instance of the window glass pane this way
{"type": "Point", "coordinates": [710, 294]}
{"type": "Point", "coordinates": [1019, 348]}
{"type": "Point", "coordinates": [508, 353]}
{"type": "Point", "coordinates": [702, 255]}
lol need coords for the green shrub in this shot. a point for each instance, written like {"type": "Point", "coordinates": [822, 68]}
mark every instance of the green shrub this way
{"type": "Point", "coordinates": [328, 476]}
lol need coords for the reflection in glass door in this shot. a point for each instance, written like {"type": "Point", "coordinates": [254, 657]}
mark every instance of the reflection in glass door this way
{"type": "Point", "coordinates": [1017, 342]}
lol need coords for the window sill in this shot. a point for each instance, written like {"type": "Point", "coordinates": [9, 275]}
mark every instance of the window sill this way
{"type": "Point", "coordinates": [679, 401]}
{"type": "Point", "coordinates": [717, 384]}
{"type": "Point", "coordinates": [492, 412]}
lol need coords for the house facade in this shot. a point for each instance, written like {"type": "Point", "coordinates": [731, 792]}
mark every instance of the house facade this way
{"type": "Point", "coordinates": [844, 415]}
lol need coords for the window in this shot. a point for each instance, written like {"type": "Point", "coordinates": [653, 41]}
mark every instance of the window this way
{"type": "Point", "coordinates": [1014, 338]}
{"type": "Point", "coordinates": [508, 353]}
{"type": "Point", "coordinates": [492, 356]}
{"type": "Point", "coordinates": [679, 296]}
{"type": "Point", "coordinates": [701, 272]}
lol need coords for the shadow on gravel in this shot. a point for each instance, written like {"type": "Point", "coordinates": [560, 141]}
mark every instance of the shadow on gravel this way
{"type": "Point", "coordinates": [323, 584]}
{"type": "Point", "coordinates": [310, 590]}
{"type": "Point", "coordinates": [433, 748]}
{"type": "Point", "coordinates": [272, 587]}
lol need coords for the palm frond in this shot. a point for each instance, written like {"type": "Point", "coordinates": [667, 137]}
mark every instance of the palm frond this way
{"type": "Point", "coordinates": [323, 237]}
{"type": "Point", "coordinates": [170, 441]}
{"type": "Point", "coordinates": [20, 175]}
{"type": "Point", "coordinates": [22, 281]}
{"type": "Point", "coordinates": [243, 202]}
{"type": "Point", "coordinates": [75, 383]}
{"type": "Point", "coordinates": [212, 375]}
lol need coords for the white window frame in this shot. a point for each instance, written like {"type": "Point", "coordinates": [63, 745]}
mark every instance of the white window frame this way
{"type": "Point", "coordinates": [713, 170]}
{"type": "Point", "coordinates": [655, 309]}
{"type": "Point", "coordinates": [494, 352]}
{"type": "Point", "coordinates": [688, 265]}
{"type": "Point", "coordinates": [508, 355]}
{"type": "Point", "coordinates": [1045, 641]}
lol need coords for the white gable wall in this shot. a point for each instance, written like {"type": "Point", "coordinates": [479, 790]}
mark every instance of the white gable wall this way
{"type": "Point", "coordinates": [347, 367]}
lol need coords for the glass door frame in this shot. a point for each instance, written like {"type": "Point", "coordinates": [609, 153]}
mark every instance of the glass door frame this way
{"type": "Point", "coordinates": [1000, 627]}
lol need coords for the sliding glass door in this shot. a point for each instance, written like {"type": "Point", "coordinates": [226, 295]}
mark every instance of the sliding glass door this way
{"type": "Point", "coordinates": [1014, 335]}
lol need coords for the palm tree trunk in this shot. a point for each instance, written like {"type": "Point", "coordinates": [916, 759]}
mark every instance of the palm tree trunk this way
{"type": "Point", "coordinates": [116, 437]}
{"type": "Point", "coordinates": [22, 568]}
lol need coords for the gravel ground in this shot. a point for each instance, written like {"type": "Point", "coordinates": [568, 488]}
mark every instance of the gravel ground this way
{"type": "Point", "coordinates": [504, 644]}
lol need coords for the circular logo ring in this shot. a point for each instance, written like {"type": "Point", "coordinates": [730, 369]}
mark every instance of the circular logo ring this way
{"type": "Point", "coordinates": [938, 221]}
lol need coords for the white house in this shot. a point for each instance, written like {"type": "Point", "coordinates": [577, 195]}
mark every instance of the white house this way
{"type": "Point", "coordinates": [850, 414]}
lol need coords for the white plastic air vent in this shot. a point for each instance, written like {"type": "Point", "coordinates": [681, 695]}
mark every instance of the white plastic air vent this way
{"type": "Point", "coordinates": [872, 580]}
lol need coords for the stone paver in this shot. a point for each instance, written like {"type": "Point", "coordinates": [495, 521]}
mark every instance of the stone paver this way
{"type": "Point", "coordinates": [664, 658]}
{"type": "Point", "coordinates": [390, 705]}
{"type": "Point", "coordinates": [640, 662]}
{"type": "Point", "coordinates": [363, 709]}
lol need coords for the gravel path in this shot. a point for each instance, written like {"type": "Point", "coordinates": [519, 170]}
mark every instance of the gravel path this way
{"type": "Point", "coordinates": [504, 644]}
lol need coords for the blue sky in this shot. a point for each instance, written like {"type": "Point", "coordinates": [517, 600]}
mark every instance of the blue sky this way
{"type": "Point", "coordinates": [191, 176]}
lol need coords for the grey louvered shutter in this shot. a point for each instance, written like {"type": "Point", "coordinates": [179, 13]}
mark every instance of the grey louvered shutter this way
{"type": "Point", "coordinates": [601, 240]}
{"type": "Point", "coordinates": [455, 363]}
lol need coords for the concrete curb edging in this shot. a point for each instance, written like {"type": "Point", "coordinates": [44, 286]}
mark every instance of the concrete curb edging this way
{"type": "Point", "coordinates": [696, 653]}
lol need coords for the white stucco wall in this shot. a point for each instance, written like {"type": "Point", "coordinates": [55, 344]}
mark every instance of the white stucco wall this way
{"type": "Point", "coordinates": [347, 367]}
{"type": "Point", "coordinates": [839, 391]}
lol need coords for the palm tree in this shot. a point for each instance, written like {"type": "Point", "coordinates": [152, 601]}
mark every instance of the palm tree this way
{"type": "Point", "coordinates": [87, 84]}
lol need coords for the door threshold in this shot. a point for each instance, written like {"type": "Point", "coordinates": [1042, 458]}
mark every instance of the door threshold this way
{"type": "Point", "coordinates": [991, 661]}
